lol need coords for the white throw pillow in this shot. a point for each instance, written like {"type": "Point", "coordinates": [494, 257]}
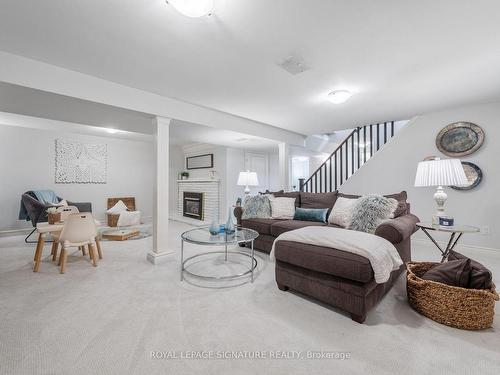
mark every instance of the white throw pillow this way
{"type": "Point", "coordinates": [282, 207]}
{"type": "Point", "coordinates": [342, 212]}
{"type": "Point", "coordinates": [118, 208]}
{"type": "Point", "coordinates": [129, 218]}
{"type": "Point", "coordinates": [62, 203]}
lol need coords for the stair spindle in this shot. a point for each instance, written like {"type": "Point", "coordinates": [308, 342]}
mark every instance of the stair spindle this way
{"type": "Point", "coordinates": [371, 141]}
{"type": "Point", "coordinates": [335, 172]}
{"type": "Point", "coordinates": [330, 165]}
{"type": "Point", "coordinates": [352, 154]}
{"type": "Point", "coordinates": [359, 157]}
{"type": "Point", "coordinates": [364, 143]}
{"type": "Point", "coordinates": [346, 159]}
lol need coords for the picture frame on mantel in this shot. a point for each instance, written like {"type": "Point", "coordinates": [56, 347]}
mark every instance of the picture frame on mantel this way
{"type": "Point", "coordinates": [205, 161]}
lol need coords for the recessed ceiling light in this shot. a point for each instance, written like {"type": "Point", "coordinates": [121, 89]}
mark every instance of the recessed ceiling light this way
{"type": "Point", "coordinates": [339, 96]}
{"type": "Point", "coordinates": [193, 8]}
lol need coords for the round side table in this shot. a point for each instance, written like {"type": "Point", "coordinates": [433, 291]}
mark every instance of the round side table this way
{"type": "Point", "coordinates": [455, 233]}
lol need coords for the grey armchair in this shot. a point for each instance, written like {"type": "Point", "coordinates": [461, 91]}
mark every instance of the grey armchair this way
{"type": "Point", "coordinates": [35, 211]}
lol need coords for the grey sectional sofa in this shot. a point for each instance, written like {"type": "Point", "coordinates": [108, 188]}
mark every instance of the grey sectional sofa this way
{"type": "Point", "coordinates": [336, 277]}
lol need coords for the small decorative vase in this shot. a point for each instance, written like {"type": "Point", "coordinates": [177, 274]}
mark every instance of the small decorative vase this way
{"type": "Point", "coordinates": [213, 228]}
{"type": "Point", "coordinates": [230, 229]}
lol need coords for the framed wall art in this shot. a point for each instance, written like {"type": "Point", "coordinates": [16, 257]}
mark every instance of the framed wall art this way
{"type": "Point", "coordinates": [80, 163]}
{"type": "Point", "coordinates": [200, 161]}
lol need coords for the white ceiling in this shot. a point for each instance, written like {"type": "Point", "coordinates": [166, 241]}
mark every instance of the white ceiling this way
{"type": "Point", "coordinates": [401, 58]}
{"type": "Point", "coordinates": [185, 133]}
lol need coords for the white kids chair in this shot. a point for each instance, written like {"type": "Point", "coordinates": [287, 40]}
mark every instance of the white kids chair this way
{"type": "Point", "coordinates": [79, 230]}
{"type": "Point", "coordinates": [65, 211]}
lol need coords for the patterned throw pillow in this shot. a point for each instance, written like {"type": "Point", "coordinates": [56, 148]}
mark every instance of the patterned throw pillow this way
{"type": "Point", "coordinates": [256, 207]}
{"type": "Point", "coordinates": [370, 210]}
{"type": "Point", "coordinates": [341, 212]}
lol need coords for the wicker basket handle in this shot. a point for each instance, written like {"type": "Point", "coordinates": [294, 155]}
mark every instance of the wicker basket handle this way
{"type": "Point", "coordinates": [493, 293]}
{"type": "Point", "coordinates": [416, 279]}
{"type": "Point", "coordinates": [412, 276]}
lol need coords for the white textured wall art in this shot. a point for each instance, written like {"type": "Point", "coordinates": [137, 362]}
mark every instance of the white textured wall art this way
{"type": "Point", "coordinates": [80, 163]}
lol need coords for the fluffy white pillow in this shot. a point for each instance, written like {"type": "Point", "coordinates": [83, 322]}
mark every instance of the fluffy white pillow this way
{"type": "Point", "coordinates": [129, 218]}
{"type": "Point", "coordinates": [282, 207]}
{"type": "Point", "coordinates": [118, 208]}
{"type": "Point", "coordinates": [342, 212]}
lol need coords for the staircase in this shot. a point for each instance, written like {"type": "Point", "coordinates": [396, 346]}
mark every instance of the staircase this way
{"type": "Point", "coordinates": [359, 146]}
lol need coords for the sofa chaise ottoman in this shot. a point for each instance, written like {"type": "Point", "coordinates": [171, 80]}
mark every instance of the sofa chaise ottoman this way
{"type": "Point", "coordinates": [335, 277]}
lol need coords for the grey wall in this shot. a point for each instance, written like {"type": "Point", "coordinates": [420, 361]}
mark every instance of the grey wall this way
{"type": "Point", "coordinates": [393, 169]}
{"type": "Point", "coordinates": [27, 162]}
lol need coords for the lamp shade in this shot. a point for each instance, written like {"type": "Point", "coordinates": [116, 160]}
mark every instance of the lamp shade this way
{"type": "Point", "coordinates": [248, 179]}
{"type": "Point", "coordinates": [440, 172]}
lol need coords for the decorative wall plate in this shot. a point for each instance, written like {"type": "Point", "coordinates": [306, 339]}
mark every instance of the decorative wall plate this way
{"type": "Point", "coordinates": [474, 176]}
{"type": "Point", "coordinates": [460, 139]}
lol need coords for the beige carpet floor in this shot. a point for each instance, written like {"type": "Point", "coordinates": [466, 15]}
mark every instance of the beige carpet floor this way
{"type": "Point", "coordinates": [109, 320]}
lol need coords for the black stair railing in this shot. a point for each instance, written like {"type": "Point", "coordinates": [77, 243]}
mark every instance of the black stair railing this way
{"type": "Point", "coordinates": [359, 146]}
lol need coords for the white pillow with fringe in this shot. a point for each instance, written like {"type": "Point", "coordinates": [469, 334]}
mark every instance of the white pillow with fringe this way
{"type": "Point", "coordinates": [282, 207]}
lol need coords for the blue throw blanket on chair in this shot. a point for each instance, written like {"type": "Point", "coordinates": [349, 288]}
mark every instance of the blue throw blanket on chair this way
{"type": "Point", "coordinates": [46, 197]}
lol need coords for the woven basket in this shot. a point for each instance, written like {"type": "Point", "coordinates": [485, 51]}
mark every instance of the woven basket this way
{"type": "Point", "coordinates": [112, 218]}
{"type": "Point", "coordinates": [53, 218]}
{"type": "Point", "coordinates": [454, 306]}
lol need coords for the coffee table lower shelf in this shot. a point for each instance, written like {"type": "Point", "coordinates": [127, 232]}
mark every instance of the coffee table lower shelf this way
{"type": "Point", "coordinates": [228, 277]}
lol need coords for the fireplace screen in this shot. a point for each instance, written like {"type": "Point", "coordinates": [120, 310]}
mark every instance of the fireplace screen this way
{"type": "Point", "coordinates": [193, 205]}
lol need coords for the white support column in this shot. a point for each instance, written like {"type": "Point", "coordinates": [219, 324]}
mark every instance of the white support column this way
{"type": "Point", "coordinates": [160, 192]}
{"type": "Point", "coordinates": [284, 165]}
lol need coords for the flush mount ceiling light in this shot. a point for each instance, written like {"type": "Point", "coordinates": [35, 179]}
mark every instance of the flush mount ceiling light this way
{"type": "Point", "coordinates": [339, 96]}
{"type": "Point", "coordinates": [193, 8]}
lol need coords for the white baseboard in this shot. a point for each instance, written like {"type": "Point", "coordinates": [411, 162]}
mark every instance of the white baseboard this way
{"type": "Point", "coordinates": [15, 232]}
{"type": "Point", "coordinates": [146, 220]}
{"type": "Point", "coordinates": [467, 248]}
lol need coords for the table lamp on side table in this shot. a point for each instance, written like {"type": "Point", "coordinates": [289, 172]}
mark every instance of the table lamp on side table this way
{"type": "Point", "coordinates": [247, 179]}
{"type": "Point", "coordinates": [439, 173]}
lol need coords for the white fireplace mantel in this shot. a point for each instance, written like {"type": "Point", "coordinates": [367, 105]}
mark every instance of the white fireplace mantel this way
{"type": "Point", "coordinates": [193, 180]}
{"type": "Point", "coordinates": [210, 187]}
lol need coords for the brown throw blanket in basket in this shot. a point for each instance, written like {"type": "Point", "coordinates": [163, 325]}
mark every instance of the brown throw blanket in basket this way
{"type": "Point", "coordinates": [454, 272]}
{"type": "Point", "coordinates": [451, 305]}
{"type": "Point", "coordinates": [480, 276]}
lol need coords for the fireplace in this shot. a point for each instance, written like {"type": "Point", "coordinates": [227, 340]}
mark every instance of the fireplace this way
{"type": "Point", "coordinates": [192, 205]}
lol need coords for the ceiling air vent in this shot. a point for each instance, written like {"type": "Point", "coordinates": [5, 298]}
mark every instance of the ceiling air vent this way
{"type": "Point", "coordinates": [293, 65]}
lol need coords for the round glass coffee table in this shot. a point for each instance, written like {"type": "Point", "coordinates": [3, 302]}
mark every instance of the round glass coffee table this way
{"type": "Point", "coordinates": [201, 236]}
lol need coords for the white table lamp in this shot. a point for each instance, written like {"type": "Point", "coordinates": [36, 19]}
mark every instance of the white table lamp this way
{"type": "Point", "coordinates": [439, 173]}
{"type": "Point", "coordinates": [248, 179]}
